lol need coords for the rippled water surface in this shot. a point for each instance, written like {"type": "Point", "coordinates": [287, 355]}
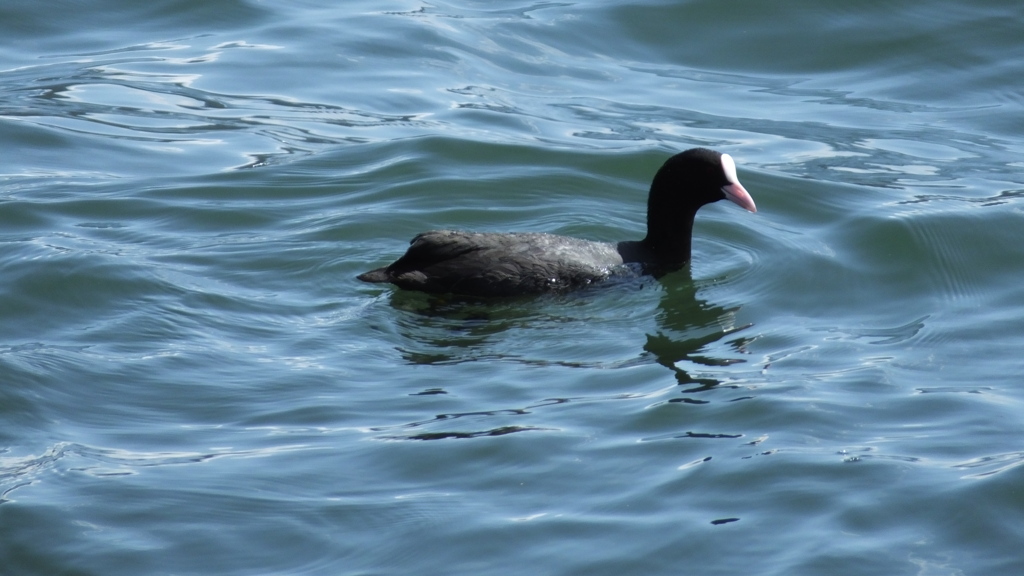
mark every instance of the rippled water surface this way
{"type": "Point", "coordinates": [192, 381]}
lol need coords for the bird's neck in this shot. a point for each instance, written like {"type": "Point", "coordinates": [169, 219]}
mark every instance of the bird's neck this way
{"type": "Point", "coordinates": [669, 236]}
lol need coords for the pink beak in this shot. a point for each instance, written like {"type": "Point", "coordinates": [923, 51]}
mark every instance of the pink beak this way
{"type": "Point", "coordinates": [735, 192]}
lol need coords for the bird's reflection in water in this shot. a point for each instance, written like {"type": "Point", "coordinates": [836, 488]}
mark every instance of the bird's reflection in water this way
{"type": "Point", "coordinates": [455, 329]}
{"type": "Point", "coordinates": [447, 330]}
{"type": "Point", "coordinates": [687, 325]}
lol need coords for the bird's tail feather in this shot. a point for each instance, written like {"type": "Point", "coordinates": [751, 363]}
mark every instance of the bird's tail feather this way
{"type": "Point", "coordinates": [378, 275]}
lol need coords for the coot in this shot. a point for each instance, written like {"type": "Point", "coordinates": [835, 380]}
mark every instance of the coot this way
{"type": "Point", "coordinates": [511, 264]}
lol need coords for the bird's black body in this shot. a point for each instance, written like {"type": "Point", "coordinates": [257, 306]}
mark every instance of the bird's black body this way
{"type": "Point", "coordinates": [499, 264]}
{"type": "Point", "coordinates": [510, 264]}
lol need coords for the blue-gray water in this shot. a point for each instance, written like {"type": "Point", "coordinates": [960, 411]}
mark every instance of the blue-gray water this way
{"type": "Point", "coordinates": [193, 382]}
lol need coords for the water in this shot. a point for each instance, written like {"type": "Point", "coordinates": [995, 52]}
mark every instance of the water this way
{"type": "Point", "coordinates": [193, 382]}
